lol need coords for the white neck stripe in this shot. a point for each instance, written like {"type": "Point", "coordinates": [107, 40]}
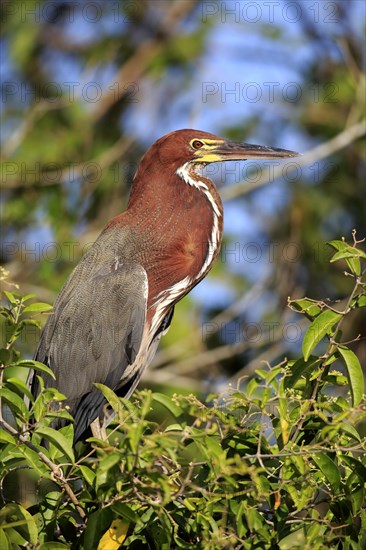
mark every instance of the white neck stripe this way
{"type": "Point", "coordinates": [184, 173]}
{"type": "Point", "coordinates": [170, 295]}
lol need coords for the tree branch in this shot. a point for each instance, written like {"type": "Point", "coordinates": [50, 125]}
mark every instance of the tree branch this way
{"type": "Point", "coordinates": [136, 65]}
{"type": "Point", "coordinates": [318, 153]}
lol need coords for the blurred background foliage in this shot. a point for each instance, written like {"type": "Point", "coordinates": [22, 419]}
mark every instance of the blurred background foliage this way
{"type": "Point", "coordinates": [88, 86]}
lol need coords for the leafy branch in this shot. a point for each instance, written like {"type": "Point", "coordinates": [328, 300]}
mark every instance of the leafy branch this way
{"type": "Point", "coordinates": [279, 462]}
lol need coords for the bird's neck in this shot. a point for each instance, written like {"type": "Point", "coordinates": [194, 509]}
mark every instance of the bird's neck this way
{"type": "Point", "coordinates": [172, 189]}
{"type": "Point", "coordinates": [179, 218]}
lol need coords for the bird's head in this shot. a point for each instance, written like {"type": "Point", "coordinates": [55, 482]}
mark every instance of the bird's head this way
{"type": "Point", "coordinates": [198, 148]}
{"type": "Point", "coordinates": [179, 156]}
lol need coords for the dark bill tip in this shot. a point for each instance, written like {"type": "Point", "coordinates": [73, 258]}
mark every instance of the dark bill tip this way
{"type": "Point", "coordinates": [242, 151]}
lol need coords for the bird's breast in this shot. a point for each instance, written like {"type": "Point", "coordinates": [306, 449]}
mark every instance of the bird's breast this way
{"type": "Point", "coordinates": [186, 247]}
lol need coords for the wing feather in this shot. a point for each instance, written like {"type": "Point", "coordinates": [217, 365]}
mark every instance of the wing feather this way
{"type": "Point", "coordinates": [95, 332]}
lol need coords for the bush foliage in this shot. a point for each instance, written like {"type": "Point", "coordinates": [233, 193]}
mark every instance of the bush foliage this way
{"type": "Point", "coordinates": [276, 463]}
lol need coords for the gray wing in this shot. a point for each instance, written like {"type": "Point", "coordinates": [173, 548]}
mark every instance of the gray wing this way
{"type": "Point", "coordinates": [94, 333]}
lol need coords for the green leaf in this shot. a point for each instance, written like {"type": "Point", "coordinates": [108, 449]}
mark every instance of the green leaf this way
{"type": "Point", "coordinates": [307, 306]}
{"type": "Point", "coordinates": [6, 437]}
{"type": "Point", "coordinates": [30, 322]}
{"type": "Point", "coordinates": [352, 253]}
{"type": "Point", "coordinates": [14, 401]}
{"type": "Point", "coordinates": [97, 525]}
{"type": "Point", "coordinates": [108, 462]}
{"type": "Point", "coordinates": [34, 461]}
{"type": "Point", "coordinates": [39, 307]}
{"type": "Point", "coordinates": [28, 297]}
{"type": "Point", "coordinates": [296, 539]}
{"type": "Point", "coordinates": [321, 326]}
{"type": "Point", "coordinates": [359, 301]}
{"type": "Point", "coordinates": [87, 474]}
{"type": "Point", "coordinates": [174, 428]}
{"type": "Point", "coordinates": [345, 248]}
{"type": "Point", "coordinates": [356, 466]}
{"type": "Point", "coordinates": [344, 255]}
{"type": "Point", "coordinates": [10, 296]}
{"type": "Point", "coordinates": [15, 538]}
{"type": "Point", "coordinates": [299, 368]}
{"type": "Point", "coordinates": [348, 253]}
{"type": "Point", "coordinates": [58, 440]}
{"type": "Point", "coordinates": [354, 373]}
{"type": "Point", "coordinates": [18, 518]}
{"type": "Point", "coordinates": [20, 385]}
{"type": "Point", "coordinates": [112, 399]}
{"type": "Point", "coordinates": [58, 414]}
{"type": "Point", "coordinates": [66, 432]}
{"type": "Point", "coordinates": [353, 263]}
{"type": "Point", "coordinates": [36, 365]}
{"type": "Point", "coordinates": [329, 469]}
{"type": "Point", "coordinates": [168, 403]}
{"type": "Point", "coordinates": [351, 430]}
{"type": "Point", "coordinates": [99, 443]}
{"type": "Point", "coordinates": [254, 518]}
{"type": "Point", "coordinates": [121, 509]}
{"type": "Point", "coordinates": [4, 543]}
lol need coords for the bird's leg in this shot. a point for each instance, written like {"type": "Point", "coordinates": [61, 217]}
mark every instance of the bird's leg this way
{"type": "Point", "coordinates": [98, 429]}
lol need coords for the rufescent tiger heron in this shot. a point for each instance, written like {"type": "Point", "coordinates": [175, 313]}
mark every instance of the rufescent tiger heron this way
{"type": "Point", "coordinates": [119, 300]}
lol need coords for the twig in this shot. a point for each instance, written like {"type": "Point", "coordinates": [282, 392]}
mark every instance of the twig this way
{"type": "Point", "coordinates": [103, 161]}
{"type": "Point", "coordinates": [56, 470]}
{"type": "Point", "coordinates": [136, 65]}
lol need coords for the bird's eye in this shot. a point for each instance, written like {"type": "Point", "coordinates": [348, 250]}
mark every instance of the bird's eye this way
{"type": "Point", "coordinates": [197, 144]}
